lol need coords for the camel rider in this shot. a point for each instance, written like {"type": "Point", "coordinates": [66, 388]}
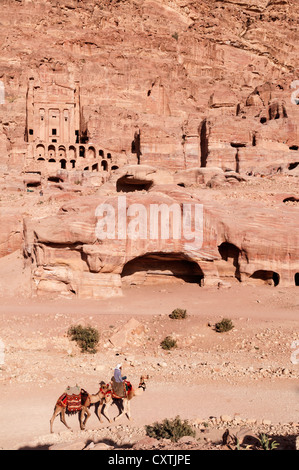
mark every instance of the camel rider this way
{"type": "Point", "coordinates": [118, 381]}
{"type": "Point", "coordinates": [118, 374]}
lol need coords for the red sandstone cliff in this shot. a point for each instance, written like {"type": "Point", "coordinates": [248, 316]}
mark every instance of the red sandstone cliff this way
{"type": "Point", "coordinates": [199, 83]}
{"type": "Point", "coordinates": [205, 90]}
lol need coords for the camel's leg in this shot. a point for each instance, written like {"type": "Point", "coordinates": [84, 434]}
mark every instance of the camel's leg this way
{"type": "Point", "coordinates": [128, 410]}
{"type": "Point", "coordinates": [86, 413]}
{"type": "Point", "coordinates": [62, 418]}
{"type": "Point", "coordinates": [106, 406]}
{"type": "Point", "coordinates": [121, 409]}
{"type": "Point", "coordinates": [57, 410]}
{"type": "Point", "coordinates": [96, 410]}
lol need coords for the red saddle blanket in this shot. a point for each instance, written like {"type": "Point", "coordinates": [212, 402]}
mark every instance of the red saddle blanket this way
{"type": "Point", "coordinates": [71, 402]}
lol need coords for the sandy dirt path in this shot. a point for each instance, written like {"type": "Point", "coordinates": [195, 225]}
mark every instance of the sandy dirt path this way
{"type": "Point", "coordinates": [30, 328]}
{"type": "Point", "coordinates": [26, 416]}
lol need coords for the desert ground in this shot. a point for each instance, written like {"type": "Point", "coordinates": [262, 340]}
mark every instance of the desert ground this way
{"type": "Point", "coordinates": [244, 377]}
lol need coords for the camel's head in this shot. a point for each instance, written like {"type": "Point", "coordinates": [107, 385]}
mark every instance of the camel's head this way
{"type": "Point", "coordinates": [142, 382]}
{"type": "Point", "coordinates": [105, 391]}
{"type": "Point", "coordinates": [104, 387]}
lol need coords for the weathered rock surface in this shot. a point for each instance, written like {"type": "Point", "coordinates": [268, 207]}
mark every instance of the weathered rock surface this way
{"type": "Point", "coordinates": [171, 84]}
{"type": "Point", "coordinates": [70, 256]}
{"type": "Point", "coordinates": [131, 333]}
{"type": "Point", "coordinates": [159, 101]}
{"type": "Point", "coordinates": [11, 233]}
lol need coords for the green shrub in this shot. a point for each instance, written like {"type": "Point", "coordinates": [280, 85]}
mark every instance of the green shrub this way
{"type": "Point", "coordinates": [178, 314]}
{"type": "Point", "coordinates": [172, 429]}
{"type": "Point", "coordinates": [224, 325]}
{"type": "Point", "coordinates": [86, 337]}
{"type": "Point", "coordinates": [267, 443]}
{"type": "Point", "coordinates": [168, 343]}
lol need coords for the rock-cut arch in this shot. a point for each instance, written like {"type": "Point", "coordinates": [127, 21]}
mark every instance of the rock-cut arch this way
{"type": "Point", "coordinates": [62, 152]}
{"type": "Point", "coordinates": [161, 268]}
{"type": "Point", "coordinates": [231, 253]}
{"type": "Point", "coordinates": [72, 152]}
{"type": "Point", "coordinates": [104, 165]}
{"type": "Point", "coordinates": [91, 153]}
{"type": "Point", "coordinates": [40, 151]}
{"type": "Point", "coordinates": [266, 277]}
{"type": "Point", "coordinates": [126, 184]}
{"type": "Point", "coordinates": [63, 164]}
{"type": "Point", "coordinates": [51, 152]}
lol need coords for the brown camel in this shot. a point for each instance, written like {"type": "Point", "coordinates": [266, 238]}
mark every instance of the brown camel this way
{"type": "Point", "coordinates": [123, 404]}
{"type": "Point", "coordinates": [86, 401]}
{"type": "Point", "coordinates": [103, 397]}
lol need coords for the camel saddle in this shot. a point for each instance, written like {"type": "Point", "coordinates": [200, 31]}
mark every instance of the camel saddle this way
{"type": "Point", "coordinates": [76, 390]}
{"type": "Point", "coordinates": [120, 389]}
{"type": "Point", "coordinates": [72, 399]}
